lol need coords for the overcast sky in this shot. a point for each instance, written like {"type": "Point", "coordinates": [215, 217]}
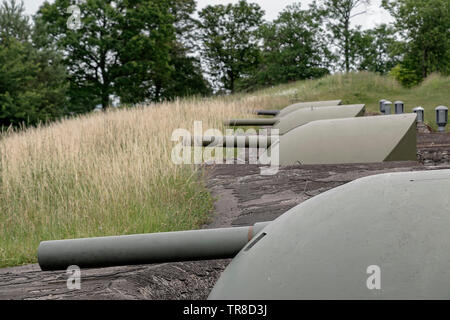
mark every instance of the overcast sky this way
{"type": "Point", "coordinates": [375, 15]}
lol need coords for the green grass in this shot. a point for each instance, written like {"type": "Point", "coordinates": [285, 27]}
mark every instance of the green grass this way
{"type": "Point", "coordinates": [369, 88]}
{"type": "Point", "coordinates": [183, 205]}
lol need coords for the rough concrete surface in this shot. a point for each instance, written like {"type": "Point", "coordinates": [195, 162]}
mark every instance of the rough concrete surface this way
{"type": "Point", "coordinates": [243, 197]}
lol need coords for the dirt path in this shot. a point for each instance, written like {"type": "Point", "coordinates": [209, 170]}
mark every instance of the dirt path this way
{"type": "Point", "coordinates": [243, 198]}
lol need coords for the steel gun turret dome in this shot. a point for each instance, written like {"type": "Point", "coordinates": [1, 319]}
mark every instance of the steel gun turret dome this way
{"type": "Point", "coordinates": [324, 247]}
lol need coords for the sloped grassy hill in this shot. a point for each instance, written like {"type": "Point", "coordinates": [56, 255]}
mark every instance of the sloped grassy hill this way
{"type": "Point", "coordinates": [369, 88]}
{"type": "Point", "coordinates": [105, 174]}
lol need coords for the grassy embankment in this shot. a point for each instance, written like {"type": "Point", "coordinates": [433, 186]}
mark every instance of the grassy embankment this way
{"type": "Point", "coordinates": [111, 173]}
{"type": "Point", "coordinates": [105, 174]}
{"type": "Point", "coordinates": [369, 89]}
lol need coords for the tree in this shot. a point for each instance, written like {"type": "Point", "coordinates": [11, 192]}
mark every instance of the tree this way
{"type": "Point", "coordinates": [13, 22]}
{"type": "Point", "coordinates": [228, 35]}
{"type": "Point", "coordinates": [293, 47]}
{"type": "Point", "coordinates": [424, 27]}
{"type": "Point", "coordinates": [187, 77]}
{"type": "Point", "coordinates": [33, 82]}
{"type": "Point", "coordinates": [185, 24]}
{"type": "Point", "coordinates": [121, 50]}
{"type": "Point", "coordinates": [375, 49]}
{"type": "Point", "coordinates": [340, 14]}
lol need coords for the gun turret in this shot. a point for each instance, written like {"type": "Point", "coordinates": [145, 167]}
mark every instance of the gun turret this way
{"type": "Point", "coordinates": [334, 141]}
{"type": "Point", "coordinates": [387, 232]}
{"type": "Point", "coordinates": [303, 116]}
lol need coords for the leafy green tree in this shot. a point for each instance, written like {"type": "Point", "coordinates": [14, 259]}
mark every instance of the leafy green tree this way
{"type": "Point", "coordinates": [375, 49]}
{"type": "Point", "coordinates": [187, 77]}
{"type": "Point", "coordinates": [406, 76]}
{"type": "Point", "coordinates": [294, 47]}
{"type": "Point", "coordinates": [340, 13]}
{"type": "Point", "coordinates": [13, 22]}
{"type": "Point", "coordinates": [33, 81]}
{"type": "Point", "coordinates": [185, 23]}
{"type": "Point", "coordinates": [122, 49]}
{"type": "Point", "coordinates": [424, 27]}
{"type": "Point", "coordinates": [228, 35]}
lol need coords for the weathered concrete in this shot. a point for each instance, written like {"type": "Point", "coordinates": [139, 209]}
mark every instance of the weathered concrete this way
{"type": "Point", "coordinates": [434, 148]}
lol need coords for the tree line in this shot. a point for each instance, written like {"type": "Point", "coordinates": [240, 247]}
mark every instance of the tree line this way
{"type": "Point", "coordinates": [138, 51]}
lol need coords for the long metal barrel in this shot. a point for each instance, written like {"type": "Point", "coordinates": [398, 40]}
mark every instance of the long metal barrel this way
{"type": "Point", "coordinates": [146, 248]}
{"type": "Point", "coordinates": [267, 112]}
{"type": "Point", "coordinates": [233, 141]}
{"type": "Point", "coordinates": [250, 122]}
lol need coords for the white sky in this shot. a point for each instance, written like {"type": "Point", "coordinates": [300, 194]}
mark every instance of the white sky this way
{"type": "Point", "coordinates": [375, 15]}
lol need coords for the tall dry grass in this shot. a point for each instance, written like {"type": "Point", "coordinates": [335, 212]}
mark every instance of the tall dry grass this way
{"type": "Point", "coordinates": [106, 174]}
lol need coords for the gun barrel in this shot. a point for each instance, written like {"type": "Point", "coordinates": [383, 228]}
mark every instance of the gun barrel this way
{"type": "Point", "coordinates": [250, 122]}
{"type": "Point", "coordinates": [234, 141]}
{"type": "Point", "coordinates": [146, 248]}
{"type": "Point", "coordinates": [267, 112]}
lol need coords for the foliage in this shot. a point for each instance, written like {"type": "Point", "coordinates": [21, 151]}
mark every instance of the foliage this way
{"type": "Point", "coordinates": [228, 34]}
{"type": "Point", "coordinates": [138, 51]}
{"type": "Point", "coordinates": [424, 27]}
{"type": "Point", "coordinates": [187, 78]}
{"type": "Point", "coordinates": [122, 49]}
{"type": "Point", "coordinates": [405, 76]}
{"type": "Point", "coordinates": [375, 49]}
{"type": "Point", "coordinates": [32, 81]}
{"type": "Point", "coordinates": [340, 13]}
{"type": "Point", "coordinates": [293, 48]}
